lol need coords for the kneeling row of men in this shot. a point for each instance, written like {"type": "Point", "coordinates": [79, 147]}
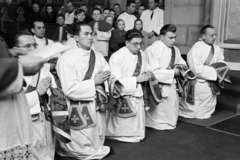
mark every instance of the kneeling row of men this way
{"type": "Point", "coordinates": [144, 88]}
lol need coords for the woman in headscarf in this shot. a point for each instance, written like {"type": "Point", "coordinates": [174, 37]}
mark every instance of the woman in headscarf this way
{"type": "Point", "coordinates": [117, 39]}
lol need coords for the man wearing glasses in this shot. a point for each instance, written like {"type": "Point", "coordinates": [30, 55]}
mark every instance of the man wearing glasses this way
{"type": "Point", "coordinates": [129, 69]}
{"type": "Point", "coordinates": [162, 57]}
{"type": "Point", "coordinates": [36, 89]}
{"type": "Point", "coordinates": [200, 57]}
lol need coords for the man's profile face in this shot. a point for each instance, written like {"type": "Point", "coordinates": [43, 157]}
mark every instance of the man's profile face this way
{"type": "Point", "coordinates": [210, 36]}
{"type": "Point", "coordinates": [96, 15]}
{"type": "Point", "coordinates": [84, 39]}
{"type": "Point", "coordinates": [169, 39]}
{"type": "Point", "coordinates": [132, 8]}
{"type": "Point", "coordinates": [26, 43]}
{"type": "Point", "coordinates": [134, 45]}
{"type": "Point", "coordinates": [152, 4]}
{"type": "Point", "coordinates": [39, 29]}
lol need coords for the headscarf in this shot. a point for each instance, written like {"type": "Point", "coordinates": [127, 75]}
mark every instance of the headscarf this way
{"type": "Point", "coordinates": [136, 22]}
{"type": "Point", "coordinates": [120, 32]}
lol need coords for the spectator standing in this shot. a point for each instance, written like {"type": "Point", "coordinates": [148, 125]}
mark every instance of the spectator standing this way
{"type": "Point", "coordinates": [128, 16]}
{"type": "Point", "coordinates": [152, 21]}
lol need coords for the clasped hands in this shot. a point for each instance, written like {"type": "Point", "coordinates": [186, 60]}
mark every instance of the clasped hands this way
{"type": "Point", "coordinates": [43, 85]}
{"type": "Point", "coordinates": [101, 77]}
{"type": "Point", "coordinates": [145, 76]}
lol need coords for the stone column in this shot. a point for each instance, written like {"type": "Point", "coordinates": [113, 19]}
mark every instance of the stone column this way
{"type": "Point", "coordinates": [207, 11]}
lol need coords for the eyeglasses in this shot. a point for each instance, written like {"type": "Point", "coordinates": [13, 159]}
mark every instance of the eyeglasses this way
{"type": "Point", "coordinates": [34, 45]}
{"type": "Point", "coordinates": [136, 44]}
{"type": "Point", "coordinates": [212, 35]}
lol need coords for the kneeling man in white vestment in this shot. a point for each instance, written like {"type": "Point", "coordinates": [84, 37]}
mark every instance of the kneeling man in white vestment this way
{"type": "Point", "coordinates": [82, 72]}
{"type": "Point", "coordinates": [200, 58]}
{"type": "Point", "coordinates": [128, 67]}
{"type": "Point", "coordinates": [162, 56]}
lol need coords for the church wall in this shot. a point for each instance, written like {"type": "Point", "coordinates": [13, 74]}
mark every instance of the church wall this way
{"type": "Point", "coordinates": [187, 15]}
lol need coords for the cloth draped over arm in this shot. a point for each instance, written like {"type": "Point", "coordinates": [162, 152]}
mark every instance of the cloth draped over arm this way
{"type": "Point", "coordinates": [58, 111]}
{"type": "Point", "coordinates": [186, 81]}
{"type": "Point", "coordinates": [222, 73]}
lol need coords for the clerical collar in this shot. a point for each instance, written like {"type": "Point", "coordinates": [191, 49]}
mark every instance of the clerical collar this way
{"type": "Point", "coordinates": [40, 39]}
{"type": "Point", "coordinates": [134, 54]}
{"type": "Point", "coordinates": [207, 43]}
{"type": "Point", "coordinates": [165, 45]}
{"type": "Point", "coordinates": [85, 52]}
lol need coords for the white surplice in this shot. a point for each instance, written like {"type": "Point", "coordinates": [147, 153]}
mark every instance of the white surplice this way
{"type": "Point", "coordinates": [122, 64]}
{"type": "Point", "coordinates": [42, 42]}
{"type": "Point", "coordinates": [43, 140]}
{"type": "Point", "coordinates": [69, 17]}
{"type": "Point", "coordinates": [101, 42]}
{"type": "Point", "coordinates": [205, 101]}
{"type": "Point", "coordinates": [155, 24]}
{"type": "Point", "coordinates": [163, 116]}
{"type": "Point", "coordinates": [128, 19]}
{"type": "Point", "coordinates": [71, 68]}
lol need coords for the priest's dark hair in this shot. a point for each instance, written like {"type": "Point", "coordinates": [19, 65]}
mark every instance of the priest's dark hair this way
{"type": "Point", "coordinates": [32, 25]}
{"type": "Point", "coordinates": [204, 28]}
{"type": "Point", "coordinates": [168, 28]}
{"type": "Point", "coordinates": [14, 38]}
{"type": "Point", "coordinates": [77, 27]}
{"type": "Point", "coordinates": [133, 33]}
{"type": "Point", "coordinates": [96, 9]}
